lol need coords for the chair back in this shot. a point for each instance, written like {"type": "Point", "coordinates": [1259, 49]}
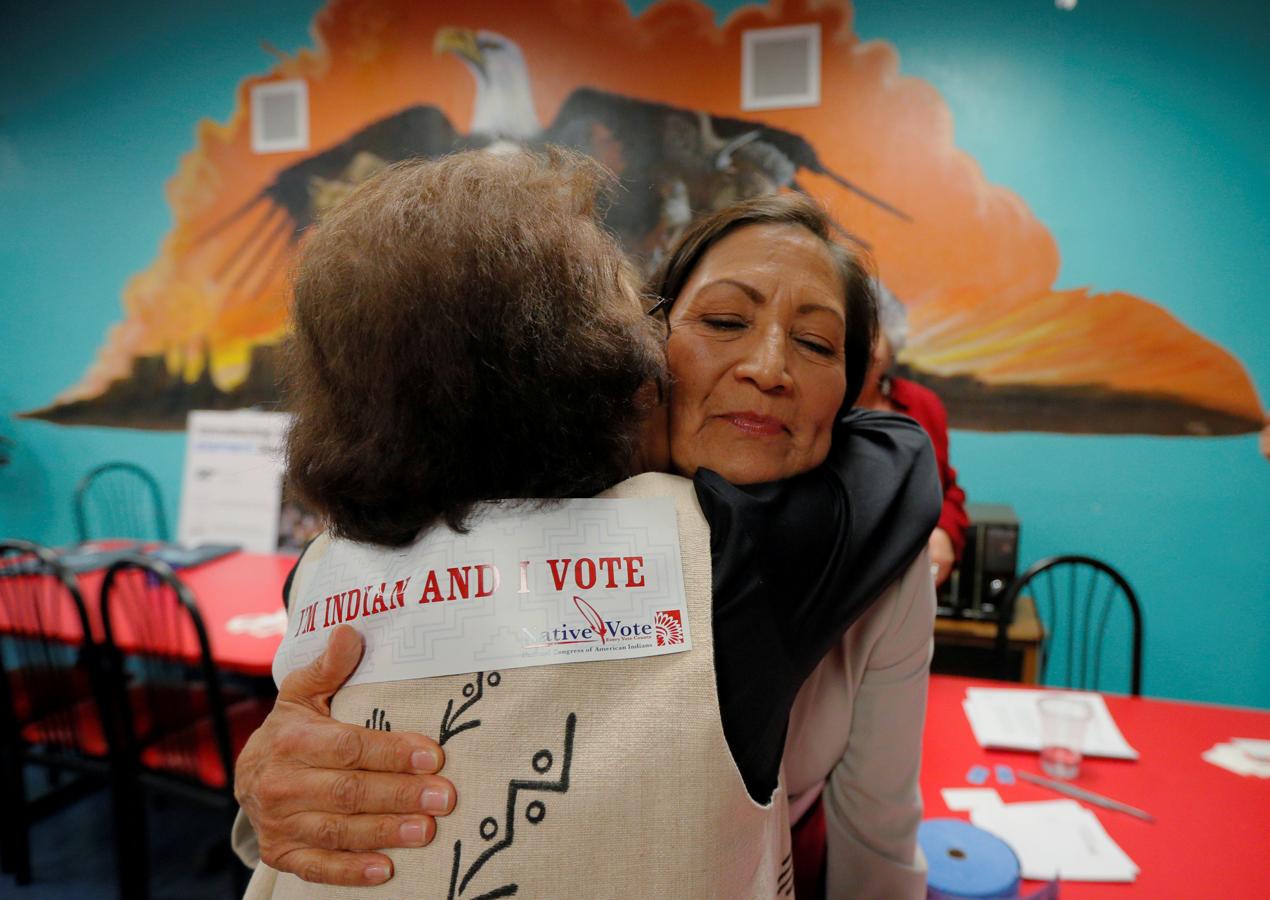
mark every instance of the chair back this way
{"type": "Point", "coordinates": [120, 500]}
{"type": "Point", "coordinates": [164, 679]}
{"type": "Point", "coordinates": [46, 646]}
{"type": "Point", "coordinates": [1084, 605]}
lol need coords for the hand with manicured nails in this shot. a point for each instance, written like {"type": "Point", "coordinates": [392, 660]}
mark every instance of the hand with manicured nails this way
{"type": "Point", "coordinates": [323, 795]}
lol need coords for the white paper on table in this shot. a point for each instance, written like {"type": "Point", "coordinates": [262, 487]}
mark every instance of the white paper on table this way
{"type": "Point", "coordinates": [1234, 758]}
{"type": "Point", "coordinates": [1008, 718]}
{"type": "Point", "coordinates": [1255, 747]}
{"type": "Point", "coordinates": [1057, 839]}
{"type": "Point", "coordinates": [963, 799]}
{"type": "Point", "coordinates": [259, 625]}
{"type": "Point", "coordinates": [232, 489]}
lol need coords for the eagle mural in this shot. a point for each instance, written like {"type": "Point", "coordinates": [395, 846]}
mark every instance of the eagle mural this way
{"type": "Point", "coordinates": [673, 163]}
{"type": "Point", "coordinates": [655, 98]}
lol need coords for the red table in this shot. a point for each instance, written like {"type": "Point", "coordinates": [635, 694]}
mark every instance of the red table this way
{"type": "Point", "coordinates": [234, 593]}
{"type": "Point", "coordinates": [1211, 837]}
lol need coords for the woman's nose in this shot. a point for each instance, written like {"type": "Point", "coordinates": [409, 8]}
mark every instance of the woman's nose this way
{"type": "Point", "coordinates": [765, 363]}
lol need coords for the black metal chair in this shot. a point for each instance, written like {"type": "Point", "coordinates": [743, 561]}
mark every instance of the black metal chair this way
{"type": "Point", "coordinates": [181, 728]}
{"type": "Point", "coordinates": [120, 500]}
{"type": "Point", "coordinates": [51, 713]}
{"type": "Point", "coordinates": [1081, 602]}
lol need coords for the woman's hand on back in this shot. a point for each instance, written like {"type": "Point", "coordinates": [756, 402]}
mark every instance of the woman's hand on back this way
{"type": "Point", "coordinates": [321, 793]}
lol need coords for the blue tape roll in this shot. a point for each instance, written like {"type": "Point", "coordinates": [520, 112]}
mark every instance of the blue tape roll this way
{"type": "Point", "coordinates": [965, 861]}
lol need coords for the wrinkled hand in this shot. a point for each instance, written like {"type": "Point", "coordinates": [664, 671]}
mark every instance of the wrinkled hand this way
{"type": "Point", "coordinates": [321, 793]}
{"type": "Point", "coordinates": [942, 556]}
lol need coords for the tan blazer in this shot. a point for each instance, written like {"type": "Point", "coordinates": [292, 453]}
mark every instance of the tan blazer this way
{"type": "Point", "coordinates": [858, 721]}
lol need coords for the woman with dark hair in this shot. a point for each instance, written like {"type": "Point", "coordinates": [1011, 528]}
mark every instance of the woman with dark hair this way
{"type": "Point", "coordinates": [484, 324]}
{"type": "Point", "coordinates": [856, 728]}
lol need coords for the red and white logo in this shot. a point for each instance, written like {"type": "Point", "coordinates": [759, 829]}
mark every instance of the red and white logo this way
{"type": "Point", "coordinates": [669, 627]}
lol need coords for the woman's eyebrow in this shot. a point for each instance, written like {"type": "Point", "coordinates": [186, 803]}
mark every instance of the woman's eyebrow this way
{"type": "Point", "coordinates": [824, 307]}
{"type": "Point", "coordinates": [741, 286]}
{"type": "Point", "coordinates": [757, 297]}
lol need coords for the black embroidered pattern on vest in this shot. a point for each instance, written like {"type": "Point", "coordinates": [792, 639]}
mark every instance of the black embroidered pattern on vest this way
{"type": "Point", "coordinates": [473, 691]}
{"type": "Point", "coordinates": [785, 884]}
{"type": "Point", "coordinates": [535, 812]}
{"type": "Point", "coordinates": [378, 720]}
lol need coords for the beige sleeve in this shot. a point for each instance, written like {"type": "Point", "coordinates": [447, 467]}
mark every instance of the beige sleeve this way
{"type": "Point", "coordinates": [243, 840]}
{"type": "Point", "coordinates": [243, 837]}
{"type": "Point", "coordinates": [873, 802]}
{"type": "Point", "coordinates": [262, 883]}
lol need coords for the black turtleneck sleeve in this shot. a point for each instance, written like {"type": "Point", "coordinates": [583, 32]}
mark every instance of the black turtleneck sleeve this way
{"type": "Point", "coordinates": [796, 562]}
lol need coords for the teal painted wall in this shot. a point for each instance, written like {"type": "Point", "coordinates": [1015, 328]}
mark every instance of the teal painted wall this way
{"type": "Point", "coordinates": [98, 102]}
{"type": "Point", "coordinates": [1135, 130]}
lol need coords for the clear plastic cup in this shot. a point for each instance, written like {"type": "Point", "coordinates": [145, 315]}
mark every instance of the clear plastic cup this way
{"type": "Point", "coordinates": [1064, 721]}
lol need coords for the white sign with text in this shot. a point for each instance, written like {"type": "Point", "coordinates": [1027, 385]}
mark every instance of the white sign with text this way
{"type": "Point", "coordinates": [574, 581]}
{"type": "Point", "coordinates": [232, 486]}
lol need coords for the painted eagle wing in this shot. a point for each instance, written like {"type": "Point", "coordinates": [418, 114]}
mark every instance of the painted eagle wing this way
{"type": "Point", "coordinates": [624, 134]}
{"type": "Point", "coordinates": [653, 146]}
{"type": "Point", "coordinates": [798, 152]}
{"type": "Point", "coordinates": [415, 132]}
{"type": "Point", "coordinates": [290, 203]}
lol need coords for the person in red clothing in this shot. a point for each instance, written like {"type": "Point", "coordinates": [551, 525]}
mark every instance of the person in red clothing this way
{"type": "Point", "coordinates": [884, 391]}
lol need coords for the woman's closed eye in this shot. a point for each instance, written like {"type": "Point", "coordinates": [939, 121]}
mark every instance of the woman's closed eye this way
{"type": "Point", "coordinates": [725, 322]}
{"type": "Point", "coordinates": [731, 324]}
{"type": "Point", "coordinates": [819, 346]}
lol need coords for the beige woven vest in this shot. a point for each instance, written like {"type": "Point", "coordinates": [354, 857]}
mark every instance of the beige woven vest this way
{"type": "Point", "coordinates": [607, 779]}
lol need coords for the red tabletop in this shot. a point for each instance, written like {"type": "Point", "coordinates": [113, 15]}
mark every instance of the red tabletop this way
{"type": "Point", "coordinates": [239, 597]}
{"type": "Point", "coordinates": [1211, 837]}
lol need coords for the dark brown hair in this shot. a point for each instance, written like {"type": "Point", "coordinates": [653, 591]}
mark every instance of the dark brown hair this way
{"type": "Point", "coordinates": [464, 330]}
{"type": "Point", "coordinates": [849, 256]}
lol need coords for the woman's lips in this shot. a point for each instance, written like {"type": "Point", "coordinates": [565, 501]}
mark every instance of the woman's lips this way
{"type": "Point", "coordinates": [755, 424]}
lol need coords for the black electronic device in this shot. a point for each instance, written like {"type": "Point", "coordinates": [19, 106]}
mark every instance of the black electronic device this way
{"type": "Point", "coordinates": [988, 564]}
